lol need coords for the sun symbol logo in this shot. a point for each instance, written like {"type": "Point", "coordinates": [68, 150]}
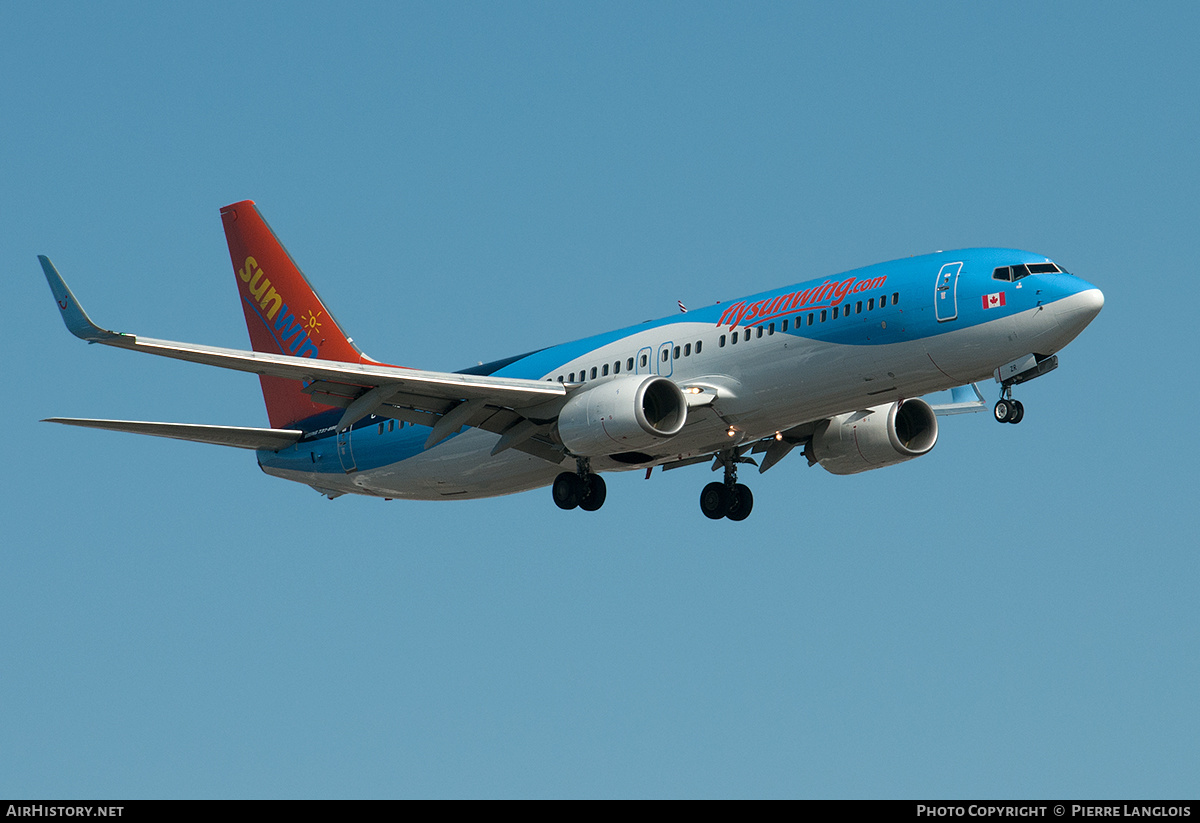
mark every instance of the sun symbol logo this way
{"type": "Point", "coordinates": [312, 322]}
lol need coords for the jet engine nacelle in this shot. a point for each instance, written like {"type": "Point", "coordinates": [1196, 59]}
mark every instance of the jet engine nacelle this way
{"type": "Point", "coordinates": [880, 436]}
{"type": "Point", "coordinates": [620, 415]}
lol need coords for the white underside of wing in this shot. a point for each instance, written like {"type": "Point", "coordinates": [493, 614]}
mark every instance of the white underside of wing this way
{"type": "Point", "coordinates": [508, 391]}
{"type": "Point", "coordinates": [437, 386]}
{"type": "Point", "coordinates": [238, 436]}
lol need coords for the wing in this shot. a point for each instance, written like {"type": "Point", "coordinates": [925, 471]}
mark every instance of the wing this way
{"type": "Point", "coordinates": [963, 400]}
{"type": "Point", "coordinates": [521, 411]}
{"type": "Point", "coordinates": [238, 436]}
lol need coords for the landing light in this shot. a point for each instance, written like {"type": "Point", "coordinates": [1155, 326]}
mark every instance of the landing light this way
{"type": "Point", "coordinates": [778, 435]}
{"type": "Point", "coordinates": [731, 431]}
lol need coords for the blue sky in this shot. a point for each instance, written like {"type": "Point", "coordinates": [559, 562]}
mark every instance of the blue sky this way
{"type": "Point", "coordinates": [1013, 615]}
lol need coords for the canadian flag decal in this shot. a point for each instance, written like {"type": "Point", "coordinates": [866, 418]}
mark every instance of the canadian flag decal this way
{"type": "Point", "coordinates": [992, 301]}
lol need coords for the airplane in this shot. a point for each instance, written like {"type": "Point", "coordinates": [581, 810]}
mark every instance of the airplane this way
{"type": "Point", "coordinates": [835, 365]}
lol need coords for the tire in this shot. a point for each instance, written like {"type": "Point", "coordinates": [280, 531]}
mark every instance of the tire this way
{"type": "Point", "coordinates": [594, 493]}
{"type": "Point", "coordinates": [743, 502]}
{"type": "Point", "coordinates": [714, 501]}
{"type": "Point", "coordinates": [1018, 412]}
{"type": "Point", "coordinates": [1003, 411]}
{"type": "Point", "coordinates": [566, 491]}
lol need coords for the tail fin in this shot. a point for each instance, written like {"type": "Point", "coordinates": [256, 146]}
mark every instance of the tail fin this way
{"type": "Point", "coordinates": [284, 315]}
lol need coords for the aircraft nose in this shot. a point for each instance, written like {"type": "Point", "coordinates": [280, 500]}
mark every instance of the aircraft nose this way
{"type": "Point", "coordinates": [1075, 312]}
{"type": "Point", "coordinates": [1091, 301]}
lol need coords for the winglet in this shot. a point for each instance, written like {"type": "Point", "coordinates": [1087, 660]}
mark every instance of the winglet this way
{"type": "Point", "coordinates": [78, 323]}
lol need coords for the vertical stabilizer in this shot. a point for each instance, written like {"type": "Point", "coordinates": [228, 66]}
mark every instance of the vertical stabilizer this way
{"type": "Point", "coordinates": [284, 315]}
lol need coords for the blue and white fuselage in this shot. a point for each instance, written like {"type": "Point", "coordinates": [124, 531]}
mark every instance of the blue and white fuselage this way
{"type": "Point", "coordinates": [902, 337]}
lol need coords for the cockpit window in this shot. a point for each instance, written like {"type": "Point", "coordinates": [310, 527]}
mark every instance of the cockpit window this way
{"type": "Point", "coordinates": [1011, 273]}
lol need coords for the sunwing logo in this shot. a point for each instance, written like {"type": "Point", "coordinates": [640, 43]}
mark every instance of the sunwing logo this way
{"type": "Point", "coordinates": [290, 331]}
{"type": "Point", "coordinates": [828, 293]}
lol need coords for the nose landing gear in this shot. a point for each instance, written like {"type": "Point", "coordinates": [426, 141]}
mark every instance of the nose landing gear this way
{"type": "Point", "coordinates": [1020, 370]}
{"type": "Point", "coordinates": [1008, 410]}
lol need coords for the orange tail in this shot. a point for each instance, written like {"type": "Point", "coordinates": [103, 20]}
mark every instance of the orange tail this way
{"type": "Point", "coordinates": [283, 313]}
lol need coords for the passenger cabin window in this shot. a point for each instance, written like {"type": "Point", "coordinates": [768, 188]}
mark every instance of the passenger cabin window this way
{"type": "Point", "coordinates": [835, 313]}
{"type": "Point", "coordinates": [783, 326]}
{"type": "Point", "coordinates": [733, 340]}
{"type": "Point", "coordinates": [644, 361]}
{"type": "Point", "coordinates": [698, 342]}
{"type": "Point", "coordinates": [676, 353]}
{"type": "Point", "coordinates": [687, 350]}
{"type": "Point", "coordinates": [605, 371]}
{"type": "Point", "coordinates": [721, 342]}
{"type": "Point", "coordinates": [858, 307]}
{"type": "Point", "coordinates": [747, 337]}
{"type": "Point", "coordinates": [617, 367]}
{"type": "Point", "coordinates": [771, 329]}
{"type": "Point", "coordinates": [593, 372]}
{"type": "Point", "coordinates": [871, 304]}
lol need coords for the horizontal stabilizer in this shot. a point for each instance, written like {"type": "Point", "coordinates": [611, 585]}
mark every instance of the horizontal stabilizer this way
{"type": "Point", "coordinates": [238, 436]}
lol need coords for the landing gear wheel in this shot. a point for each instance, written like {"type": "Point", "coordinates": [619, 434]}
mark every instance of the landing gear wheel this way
{"type": "Point", "coordinates": [714, 501]}
{"type": "Point", "coordinates": [742, 503]}
{"type": "Point", "coordinates": [594, 492]}
{"type": "Point", "coordinates": [1003, 411]}
{"type": "Point", "coordinates": [566, 490]}
{"type": "Point", "coordinates": [1018, 412]}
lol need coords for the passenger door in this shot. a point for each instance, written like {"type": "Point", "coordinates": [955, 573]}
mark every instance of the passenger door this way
{"type": "Point", "coordinates": [345, 454]}
{"type": "Point", "coordinates": [945, 294]}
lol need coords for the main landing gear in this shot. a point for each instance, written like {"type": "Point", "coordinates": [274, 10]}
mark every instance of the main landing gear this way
{"type": "Point", "coordinates": [728, 499]}
{"type": "Point", "coordinates": [1008, 410]}
{"type": "Point", "coordinates": [579, 488]}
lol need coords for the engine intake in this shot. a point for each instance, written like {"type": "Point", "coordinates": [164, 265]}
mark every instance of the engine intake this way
{"type": "Point", "coordinates": [878, 437]}
{"type": "Point", "coordinates": [622, 415]}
